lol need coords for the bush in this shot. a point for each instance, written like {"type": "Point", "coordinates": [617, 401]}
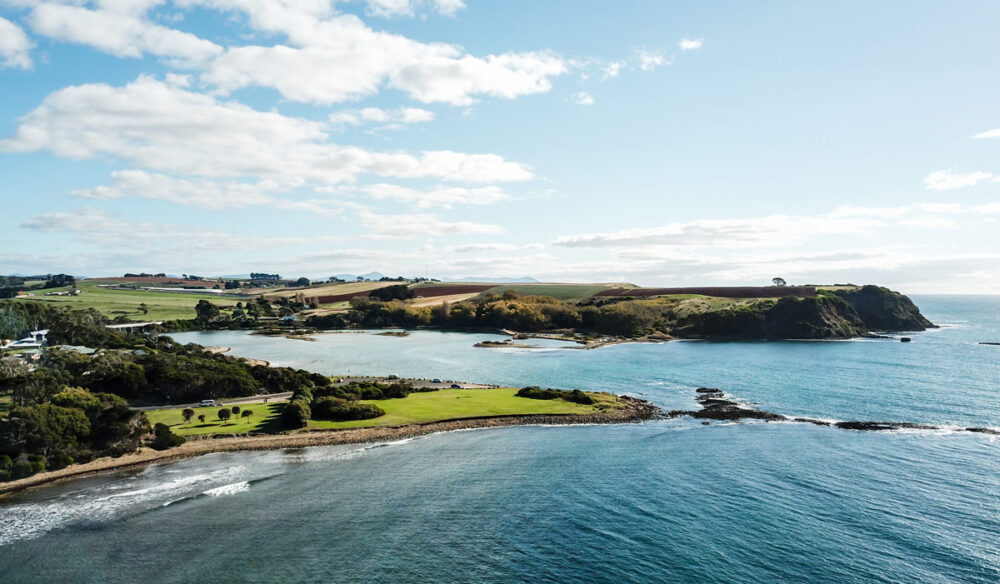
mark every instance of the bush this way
{"type": "Point", "coordinates": [332, 408]}
{"type": "Point", "coordinates": [60, 460]}
{"type": "Point", "coordinates": [296, 414]}
{"type": "Point", "coordinates": [575, 396]}
{"type": "Point", "coordinates": [23, 469]}
{"type": "Point", "coordinates": [164, 438]}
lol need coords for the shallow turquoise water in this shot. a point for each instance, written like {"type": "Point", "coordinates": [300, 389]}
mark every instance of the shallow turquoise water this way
{"type": "Point", "coordinates": [663, 501]}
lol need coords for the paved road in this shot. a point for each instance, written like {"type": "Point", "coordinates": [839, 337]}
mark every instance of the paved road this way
{"type": "Point", "coordinates": [253, 399]}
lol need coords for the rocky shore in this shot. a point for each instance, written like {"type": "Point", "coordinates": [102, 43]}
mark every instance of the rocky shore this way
{"type": "Point", "coordinates": [716, 405]}
{"type": "Point", "coordinates": [631, 410]}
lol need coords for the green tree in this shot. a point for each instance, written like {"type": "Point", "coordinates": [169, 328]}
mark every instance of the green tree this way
{"type": "Point", "coordinates": [188, 413]}
{"type": "Point", "coordinates": [236, 410]}
{"type": "Point", "coordinates": [143, 308]}
{"type": "Point", "coordinates": [225, 414]}
{"type": "Point", "coordinates": [302, 282]}
{"type": "Point", "coordinates": [246, 413]}
{"type": "Point", "coordinates": [206, 311]}
{"type": "Point", "coordinates": [164, 438]}
{"type": "Point", "coordinates": [201, 418]}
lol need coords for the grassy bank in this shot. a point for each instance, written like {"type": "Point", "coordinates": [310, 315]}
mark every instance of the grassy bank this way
{"type": "Point", "coordinates": [445, 404]}
{"type": "Point", "coordinates": [264, 419]}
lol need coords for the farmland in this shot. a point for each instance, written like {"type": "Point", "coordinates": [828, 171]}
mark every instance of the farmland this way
{"type": "Point", "coordinates": [112, 303]}
{"type": "Point", "coordinates": [560, 291]}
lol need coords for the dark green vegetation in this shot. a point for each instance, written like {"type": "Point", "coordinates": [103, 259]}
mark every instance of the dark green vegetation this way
{"type": "Point", "coordinates": [11, 285]}
{"type": "Point", "coordinates": [74, 425]}
{"type": "Point", "coordinates": [830, 313]}
{"type": "Point", "coordinates": [575, 396]}
{"type": "Point", "coordinates": [340, 402]}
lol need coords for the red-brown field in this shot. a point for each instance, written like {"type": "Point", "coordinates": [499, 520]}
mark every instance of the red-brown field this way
{"type": "Point", "coordinates": [719, 292]}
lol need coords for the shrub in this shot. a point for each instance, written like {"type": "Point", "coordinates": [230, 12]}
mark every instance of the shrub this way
{"type": "Point", "coordinates": [575, 396]}
{"type": "Point", "coordinates": [22, 469]}
{"type": "Point", "coordinates": [164, 438]}
{"type": "Point", "coordinates": [296, 414]}
{"type": "Point", "coordinates": [331, 408]}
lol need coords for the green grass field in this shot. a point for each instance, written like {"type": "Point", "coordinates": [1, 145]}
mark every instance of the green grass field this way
{"type": "Point", "coordinates": [112, 303]}
{"type": "Point", "coordinates": [264, 419]}
{"type": "Point", "coordinates": [447, 404]}
{"type": "Point", "coordinates": [560, 291]}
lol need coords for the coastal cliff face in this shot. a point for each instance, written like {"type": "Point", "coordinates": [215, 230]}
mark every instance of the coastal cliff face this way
{"type": "Point", "coordinates": [830, 315]}
{"type": "Point", "coordinates": [882, 309]}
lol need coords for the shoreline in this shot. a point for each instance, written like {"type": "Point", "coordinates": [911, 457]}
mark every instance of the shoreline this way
{"type": "Point", "coordinates": [634, 410]}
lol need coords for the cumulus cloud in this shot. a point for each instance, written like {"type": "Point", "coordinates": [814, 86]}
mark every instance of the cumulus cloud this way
{"type": "Point", "coordinates": [439, 196]}
{"type": "Point", "coordinates": [165, 127]}
{"type": "Point", "coordinates": [418, 224]}
{"type": "Point", "coordinates": [202, 193]}
{"type": "Point", "coordinates": [331, 57]}
{"type": "Point", "coordinates": [15, 46]}
{"type": "Point", "coordinates": [390, 8]}
{"type": "Point", "coordinates": [687, 44]}
{"type": "Point", "coordinates": [583, 98]}
{"type": "Point", "coordinates": [390, 119]}
{"type": "Point", "coordinates": [943, 180]}
{"type": "Point", "coordinates": [651, 60]}
{"type": "Point", "coordinates": [119, 28]}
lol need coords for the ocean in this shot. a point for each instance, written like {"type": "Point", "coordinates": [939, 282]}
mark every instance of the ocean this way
{"type": "Point", "coordinates": [662, 501]}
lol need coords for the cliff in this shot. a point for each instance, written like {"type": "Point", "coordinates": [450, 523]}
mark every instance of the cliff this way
{"type": "Point", "coordinates": [829, 315]}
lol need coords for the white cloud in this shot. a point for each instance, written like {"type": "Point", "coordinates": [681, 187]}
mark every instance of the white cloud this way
{"type": "Point", "coordinates": [440, 196]}
{"type": "Point", "coordinates": [779, 230]}
{"type": "Point", "coordinates": [202, 193]}
{"type": "Point", "coordinates": [391, 119]}
{"type": "Point", "coordinates": [583, 98]}
{"type": "Point", "coordinates": [167, 128]}
{"type": "Point", "coordinates": [15, 46]}
{"type": "Point", "coordinates": [418, 224]}
{"type": "Point", "coordinates": [120, 29]}
{"type": "Point", "coordinates": [994, 133]}
{"type": "Point", "coordinates": [651, 60]}
{"type": "Point", "coordinates": [942, 180]}
{"type": "Point", "coordinates": [331, 58]}
{"type": "Point", "coordinates": [390, 8]}
{"type": "Point", "coordinates": [687, 44]}
{"type": "Point", "coordinates": [612, 69]}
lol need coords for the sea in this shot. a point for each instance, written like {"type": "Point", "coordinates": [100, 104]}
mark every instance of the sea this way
{"type": "Point", "coordinates": [670, 500]}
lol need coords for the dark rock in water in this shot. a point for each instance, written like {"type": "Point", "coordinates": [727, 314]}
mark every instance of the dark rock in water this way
{"type": "Point", "coordinates": [715, 407]}
{"type": "Point", "coordinates": [988, 343]}
{"type": "Point", "coordinates": [905, 340]}
{"type": "Point", "coordinates": [811, 421]}
{"type": "Point", "coordinates": [984, 431]}
{"type": "Point", "coordinates": [708, 390]}
{"type": "Point", "coordinates": [883, 426]}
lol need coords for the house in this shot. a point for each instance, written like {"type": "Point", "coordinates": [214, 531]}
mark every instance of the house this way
{"type": "Point", "coordinates": [34, 340]}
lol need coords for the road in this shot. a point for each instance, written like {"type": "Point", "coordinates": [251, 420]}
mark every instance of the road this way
{"type": "Point", "coordinates": [253, 399]}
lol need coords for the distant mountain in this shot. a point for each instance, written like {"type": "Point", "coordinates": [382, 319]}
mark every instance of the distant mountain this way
{"type": "Point", "coordinates": [499, 280]}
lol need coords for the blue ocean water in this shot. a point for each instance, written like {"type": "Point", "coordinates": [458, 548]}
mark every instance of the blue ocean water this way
{"type": "Point", "coordinates": [664, 501]}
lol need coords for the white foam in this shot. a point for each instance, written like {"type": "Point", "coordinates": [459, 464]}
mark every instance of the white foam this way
{"type": "Point", "coordinates": [228, 489]}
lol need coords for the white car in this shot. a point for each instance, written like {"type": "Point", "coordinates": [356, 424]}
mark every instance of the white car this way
{"type": "Point", "coordinates": [207, 403]}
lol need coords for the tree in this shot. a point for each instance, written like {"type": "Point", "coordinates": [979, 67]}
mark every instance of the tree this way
{"type": "Point", "coordinates": [246, 413]}
{"type": "Point", "coordinates": [143, 308]}
{"type": "Point", "coordinates": [236, 410]}
{"type": "Point", "coordinates": [225, 414]}
{"type": "Point", "coordinates": [188, 413]}
{"type": "Point", "coordinates": [302, 282]}
{"type": "Point", "coordinates": [201, 418]}
{"type": "Point", "coordinates": [779, 282]}
{"type": "Point", "coordinates": [206, 310]}
{"type": "Point", "coordinates": [164, 438]}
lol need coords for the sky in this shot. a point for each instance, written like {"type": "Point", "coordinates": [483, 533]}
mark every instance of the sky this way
{"type": "Point", "coordinates": [653, 142]}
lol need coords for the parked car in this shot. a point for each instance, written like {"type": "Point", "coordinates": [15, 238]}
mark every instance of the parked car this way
{"type": "Point", "coordinates": [206, 403]}
{"type": "Point", "coordinates": [435, 381]}
{"type": "Point", "coordinates": [456, 386]}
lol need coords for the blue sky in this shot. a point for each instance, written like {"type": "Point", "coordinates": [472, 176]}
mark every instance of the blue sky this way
{"type": "Point", "coordinates": [661, 143]}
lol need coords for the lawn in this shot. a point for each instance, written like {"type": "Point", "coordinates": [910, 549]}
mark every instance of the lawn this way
{"type": "Point", "coordinates": [264, 419]}
{"type": "Point", "coordinates": [447, 404]}
{"type": "Point", "coordinates": [112, 303]}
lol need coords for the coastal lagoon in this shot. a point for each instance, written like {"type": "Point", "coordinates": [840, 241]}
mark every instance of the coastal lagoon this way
{"type": "Point", "coordinates": [670, 500]}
